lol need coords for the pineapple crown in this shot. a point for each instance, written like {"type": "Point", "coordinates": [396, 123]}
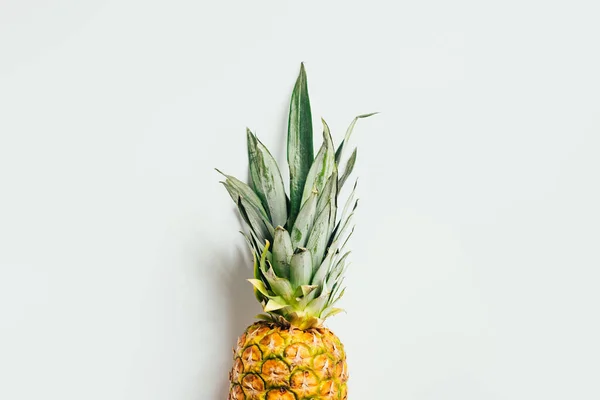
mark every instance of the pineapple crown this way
{"type": "Point", "coordinates": [298, 242]}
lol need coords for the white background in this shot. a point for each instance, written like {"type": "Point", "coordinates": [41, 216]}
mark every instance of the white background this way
{"type": "Point", "coordinates": [476, 257]}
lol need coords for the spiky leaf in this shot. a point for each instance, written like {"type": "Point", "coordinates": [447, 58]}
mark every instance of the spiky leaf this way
{"type": "Point", "coordinates": [322, 167]}
{"type": "Point", "coordinates": [344, 224]}
{"type": "Point", "coordinates": [304, 222]}
{"type": "Point", "coordinates": [276, 303]}
{"type": "Point", "coordinates": [307, 289]}
{"type": "Point", "coordinates": [279, 286]}
{"type": "Point", "coordinates": [237, 188]}
{"type": "Point", "coordinates": [338, 153]}
{"type": "Point", "coordinates": [330, 312]}
{"type": "Point", "coordinates": [317, 305]}
{"type": "Point", "coordinates": [329, 193]}
{"type": "Point", "coordinates": [266, 179]}
{"type": "Point", "coordinates": [282, 252]}
{"type": "Point", "coordinates": [299, 143]}
{"type": "Point", "coordinates": [301, 268]}
{"type": "Point", "coordinates": [318, 237]}
{"type": "Point", "coordinates": [258, 225]}
{"type": "Point", "coordinates": [260, 286]}
{"type": "Point", "coordinates": [297, 288]}
{"type": "Point", "coordinates": [321, 271]}
{"type": "Point", "coordinates": [348, 169]}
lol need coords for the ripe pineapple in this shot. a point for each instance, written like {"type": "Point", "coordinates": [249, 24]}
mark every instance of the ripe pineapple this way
{"type": "Point", "coordinates": [298, 243]}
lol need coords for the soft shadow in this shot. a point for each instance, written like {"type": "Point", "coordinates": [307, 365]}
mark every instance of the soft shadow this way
{"type": "Point", "coordinates": [237, 301]}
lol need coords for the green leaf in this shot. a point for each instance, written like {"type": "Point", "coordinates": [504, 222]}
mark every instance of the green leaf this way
{"type": "Point", "coordinates": [250, 242]}
{"type": "Point", "coordinates": [334, 298]}
{"type": "Point", "coordinates": [259, 244]}
{"type": "Point", "coordinates": [322, 166]}
{"type": "Point", "coordinates": [260, 286]}
{"type": "Point", "coordinates": [258, 225]}
{"type": "Point", "coordinates": [307, 289]}
{"type": "Point", "coordinates": [319, 235]}
{"type": "Point", "coordinates": [258, 275]}
{"type": "Point", "coordinates": [338, 153]}
{"type": "Point", "coordinates": [339, 266]}
{"type": "Point", "coordinates": [264, 256]}
{"type": "Point", "coordinates": [300, 151]}
{"type": "Point", "coordinates": [266, 179]}
{"type": "Point", "coordinates": [330, 312]}
{"type": "Point", "coordinates": [344, 224]}
{"type": "Point", "coordinates": [332, 216]}
{"type": "Point", "coordinates": [349, 207]}
{"type": "Point", "coordinates": [329, 192]}
{"type": "Point", "coordinates": [304, 222]}
{"type": "Point", "coordinates": [350, 201]}
{"type": "Point", "coordinates": [321, 270]}
{"type": "Point", "coordinates": [275, 303]}
{"type": "Point", "coordinates": [279, 286]}
{"type": "Point", "coordinates": [282, 252]}
{"type": "Point", "coordinates": [264, 317]}
{"type": "Point", "coordinates": [347, 238]}
{"type": "Point", "coordinates": [308, 297]}
{"type": "Point", "coordinates": [349, 168]}
{"type": "Point", "coordinates": [335, 289]}
{"type": "Point", "coordinates": [301, 268]}
{"type": "Point", "coordinates": [237, 188]}
{"type": "Point", "coordinates": [317, 305]}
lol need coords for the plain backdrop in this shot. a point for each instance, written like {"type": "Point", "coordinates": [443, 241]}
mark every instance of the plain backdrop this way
{"type": "Point", "coordinates": [475, 265]}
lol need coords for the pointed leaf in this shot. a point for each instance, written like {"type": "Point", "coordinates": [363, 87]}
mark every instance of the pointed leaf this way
{"type": "Point", "coordinates": [304, 222]}
{"type": "Point", "coordinates": [349, 168]}
{"type": "Point", "coordinates": [308, 297]}
{"type": "Point", "coordinates": [260, 286]}
{"type": "Point", "coordinates": [257, 275]}
{"type": "Point", "coordinates": [306, 289]}
{"type": "Point", "coordinates": [347, 239]}
{"type": "Point", "coordinates": [282, 252]}
{"type": "Point", "coordinates": [258, 243]}
{"type": "Point", "coordinates": [264, 256]}
{"type": "Point", "coordinates": [275, 303]}
{"type": "Point", "coordinates": [259, 226]}
{"type": "Point", "coordinates": [318, 238]}
{"type": "Point", "coordinates": [300, 151]}
{"type": "Point", "coordinates": [279, 286]}
{"type": "Point", "coordinates": [317, 305]}
{"type": "Point", "coordinates": [267, 180]}
{"type": "Point", "coordinates": [338, 153]}
{"type": "Point", "coordinates": [255, 257]}
{"type": "Point", "coordinates": [322, 167]}
{"type": "Point", "coordinates": [249, 242]}
{"type": "Point", "coordinates": [344, 224]}
{"type": "Point", "coordinates": [338, 265]}
{"type": "Point", "coordinates": [337, 298]}
{"type": "Point", "coordinates": [332, 216]}
{"type": "Point", "coordinates": [349, 202]}
{"type": "Point", "coordinates": [323, 269]}
{"type": "Point", "coordinates": [264, 317]}
{"type": "Point", "coordinates": [329, 192]}
{"type": "Point", "coordinates": [237, 188]}
{"type": "Point", "coordinates": [335, 293]}
{"type": "Point", "coordinates": [301, 268]}
{"type": "Point", "coordinates": [349, 207]}
{"type": "Point", "coordinates": [330, 312]}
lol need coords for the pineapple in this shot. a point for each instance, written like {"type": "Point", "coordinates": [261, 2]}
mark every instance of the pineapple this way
{"type": "Point", "coordinates": [299, 249]}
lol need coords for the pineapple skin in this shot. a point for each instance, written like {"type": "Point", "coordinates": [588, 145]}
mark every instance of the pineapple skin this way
{"type": "Point", "coordinates": [272, 362]}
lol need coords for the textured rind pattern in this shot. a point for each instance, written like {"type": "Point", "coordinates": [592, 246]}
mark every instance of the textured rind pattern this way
{"type": "Point", "coordinates": [275, 363]}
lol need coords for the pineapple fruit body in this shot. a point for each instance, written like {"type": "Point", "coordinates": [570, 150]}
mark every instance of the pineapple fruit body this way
{"type": "Point", "coordinates": [272, 362]}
